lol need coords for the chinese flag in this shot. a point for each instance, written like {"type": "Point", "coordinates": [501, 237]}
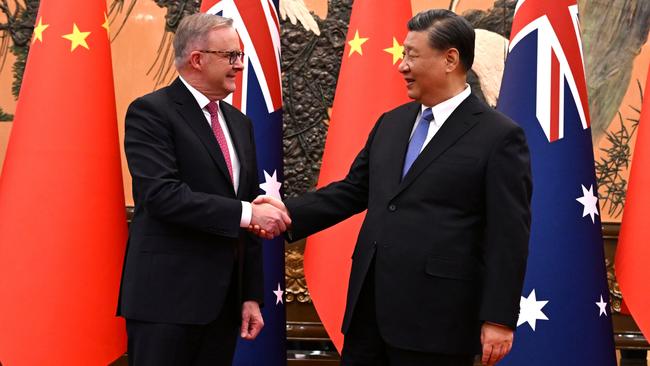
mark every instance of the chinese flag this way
{"type": "Point", "coordinates": [368, 85]}
{"type": "Point", "coordinates": [633, 250]}
{"type": "Point", "coordinates": [62, 217]}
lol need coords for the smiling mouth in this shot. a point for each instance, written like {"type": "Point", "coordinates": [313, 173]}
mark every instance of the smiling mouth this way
{"type": "Point", "coordinates": [409, 82]}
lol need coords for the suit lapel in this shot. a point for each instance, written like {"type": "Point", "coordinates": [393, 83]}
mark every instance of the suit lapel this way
{"type": "Point", "coordinates": [239, 139]}
{"type": "Point", "coordinates": [458, 123]}
{"type": "Point", "coordinates": [193, 115]}
{"type": "Point", "coordinates": [400, 132]}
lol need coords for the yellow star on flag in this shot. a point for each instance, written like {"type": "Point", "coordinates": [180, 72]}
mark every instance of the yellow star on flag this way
{"type": "Point", "coordinates": [397, 51]}
{"type": "Point", "coordinates": [38, 30]}
{"type": "Point", "coordinates": [355, 44]}
{"type": "Point", "coordinates": [106, 24]}
{"type": "Point", "coordinates": [77, 38]}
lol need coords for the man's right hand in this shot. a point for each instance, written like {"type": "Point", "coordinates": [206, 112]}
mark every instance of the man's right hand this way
{"type": "Point", "coordinates": [269, 218]}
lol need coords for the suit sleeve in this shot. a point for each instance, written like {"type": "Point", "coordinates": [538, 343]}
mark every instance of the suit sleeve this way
{"type": "Point", "coordinates": [315, 211]}
{"type": "Point", "coordinates": [253, 274]}
{"type": "Point", "coordinates": [149, 147]}
{"type": "Point", "coordinates": [508, 193]}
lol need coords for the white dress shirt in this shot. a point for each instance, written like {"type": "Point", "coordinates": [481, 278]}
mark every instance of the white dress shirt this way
{"type": "Point", "coordinates": [202, 100]}
{"type": "Point", "coordinates": [441, 112]}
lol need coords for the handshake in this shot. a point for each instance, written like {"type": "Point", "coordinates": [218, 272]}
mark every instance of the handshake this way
{"type": "Point", "coordinates": [270, 217]}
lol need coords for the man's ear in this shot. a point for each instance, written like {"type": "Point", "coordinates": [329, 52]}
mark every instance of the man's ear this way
{"type": "Point", "coordinates": [452, 58]}
{"type": "Point", "coordinates": [195, 60]}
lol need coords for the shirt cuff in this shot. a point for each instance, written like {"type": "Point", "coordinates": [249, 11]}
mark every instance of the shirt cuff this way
{"type": "Point", "coordinates": [246, 214]}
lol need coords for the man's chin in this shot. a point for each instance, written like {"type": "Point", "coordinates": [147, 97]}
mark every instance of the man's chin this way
{"type": "Point", "coordinates": [230, 89]}
{"type": "Point", "coordinates": [411, 94]}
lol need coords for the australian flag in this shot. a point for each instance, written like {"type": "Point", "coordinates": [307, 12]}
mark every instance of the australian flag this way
{"type": "Point", "coordinates": [565, 317]}
{"type": "Point", "coordinates": [259, 96]}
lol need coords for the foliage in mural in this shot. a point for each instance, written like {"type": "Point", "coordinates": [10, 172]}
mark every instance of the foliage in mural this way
{"type": "Point", "coordinates": [15, 36]}
{"type": "Point", "coordinates": [616, 160]}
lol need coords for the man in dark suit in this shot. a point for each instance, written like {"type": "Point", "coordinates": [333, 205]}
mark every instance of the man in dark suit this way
{"type": "Point", "coordinates": [191, 273]}
{"type": "Point", "coordinates": [439, 263]}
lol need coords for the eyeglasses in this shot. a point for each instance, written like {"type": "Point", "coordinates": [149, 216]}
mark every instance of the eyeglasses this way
{"type": "Point", "coordinates": [232, 56]}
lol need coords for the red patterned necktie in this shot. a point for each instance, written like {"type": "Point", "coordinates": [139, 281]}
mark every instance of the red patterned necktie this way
{"type": "Point", "coordinates": [213, 109]}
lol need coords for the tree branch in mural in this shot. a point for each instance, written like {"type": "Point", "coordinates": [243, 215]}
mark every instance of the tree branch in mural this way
{"type": "Point", "coordinates": [163, 66]}
{"type": "Point", "coordinates": [613, 33]}
{"type": "Point", "coordinates": [310, 68]}
{"type": "Point", "coordinates": [15, 34]}
{"type": "Point", "coordinates": [116, 8]}
{"type": "Point", "coordinates": [612, 185]}
{"type": "Point", "coordinates": [497, 19]}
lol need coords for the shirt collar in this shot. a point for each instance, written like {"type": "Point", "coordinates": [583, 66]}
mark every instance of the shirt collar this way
{"type": "Point", "coordinates": [443, 110]}
{"type": "Point", "coordinates": [201, 99]}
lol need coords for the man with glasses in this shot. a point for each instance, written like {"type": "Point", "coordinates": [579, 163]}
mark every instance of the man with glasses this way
{"type": "Point", "coordinates": [192, 276]}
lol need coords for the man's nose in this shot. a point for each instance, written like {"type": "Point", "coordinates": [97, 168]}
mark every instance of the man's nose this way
{"type": "Point", "coordinates": [239, 64]}
{"type": "Point", "coordinates": [403, 66]}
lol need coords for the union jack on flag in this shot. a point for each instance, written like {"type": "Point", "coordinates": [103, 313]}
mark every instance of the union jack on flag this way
{"type": "Point", "coordinates": [559, 59]}
{"type": "Point", "coordinates": [564, 317]}
{"type": "Point", "coordinates": [259, 96]}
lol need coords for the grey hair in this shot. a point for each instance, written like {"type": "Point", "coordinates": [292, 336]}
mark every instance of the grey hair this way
{"type": "Point", "coordinates": [193, 31]}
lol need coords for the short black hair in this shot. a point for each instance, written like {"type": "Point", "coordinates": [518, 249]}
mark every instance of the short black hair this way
{"type": "Point", "coordinates": [446, 30]}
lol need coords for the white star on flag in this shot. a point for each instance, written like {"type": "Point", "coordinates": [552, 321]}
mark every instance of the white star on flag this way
{"type": "Point", "coordinates": [589, 201]}
{"type": "Point", "coordinates": [271, 186]}
{"type": "Point", "coordinates": [531, 310]}
{"type": "Point", "coordinates": [602, 306]}
{"type": "Point", "coordinates": [278, 295]}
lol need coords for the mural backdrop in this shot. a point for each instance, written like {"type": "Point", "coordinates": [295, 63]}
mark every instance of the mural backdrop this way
{"type": "Point", "coordinates": [615, 36]}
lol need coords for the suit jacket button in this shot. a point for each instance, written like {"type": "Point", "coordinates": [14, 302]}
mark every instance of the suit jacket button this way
{"type": "Point", "coordinates": [392, 208]}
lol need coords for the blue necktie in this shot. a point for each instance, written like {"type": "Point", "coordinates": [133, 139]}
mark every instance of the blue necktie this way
{"type": "Point", "coordinates": [417, 140]}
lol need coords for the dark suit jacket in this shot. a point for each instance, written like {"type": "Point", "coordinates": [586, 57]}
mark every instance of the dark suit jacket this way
{"type": "Point", "coordinates": [450, 241]}
{"type": "Point", "coordinates": [185, 242]}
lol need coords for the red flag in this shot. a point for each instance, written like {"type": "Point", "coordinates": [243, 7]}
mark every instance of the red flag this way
{"type": "Point", "coordinates": [62, 218]}
{"type": "Point", "coordinates": [633, 250]}
{"type": "Point", "coordinates": [368, 85]}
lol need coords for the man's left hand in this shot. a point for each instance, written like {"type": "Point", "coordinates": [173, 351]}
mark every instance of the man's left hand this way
{"type": "Point", "coordinates": [251, 320]}
{"type": "Point", "coordinates": [497, 342]}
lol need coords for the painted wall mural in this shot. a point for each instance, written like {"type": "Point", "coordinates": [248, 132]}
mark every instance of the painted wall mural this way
{"type": "Point", "coordinates": [615, 47]}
